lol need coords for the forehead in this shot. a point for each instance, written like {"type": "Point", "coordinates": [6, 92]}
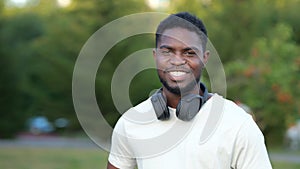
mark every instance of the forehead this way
{"type": "Point", "coordinates": [180, 36]}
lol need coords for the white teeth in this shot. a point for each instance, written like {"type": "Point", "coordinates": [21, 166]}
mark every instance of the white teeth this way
{"type": "Point", "coordinates": [177, 73]}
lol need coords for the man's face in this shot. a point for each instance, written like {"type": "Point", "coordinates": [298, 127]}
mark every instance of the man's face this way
{"type": "Point", "coordinates": [179, 59]}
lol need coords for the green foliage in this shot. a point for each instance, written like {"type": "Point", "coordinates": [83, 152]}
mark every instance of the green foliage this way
{"type": "Point", "coordinates": [274, 70]}
{"type": "Point", "coordinates": [258, 42]}
{"type": "Point", "coordinates": [16, 36]}
{"type": "Point", "coordinates": [39, 47]}
{"type": "Point", "coordinates": [140, 85]}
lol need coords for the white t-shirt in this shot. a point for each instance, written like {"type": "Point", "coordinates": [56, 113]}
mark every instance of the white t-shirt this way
{"type": "Point", "coordinates": [221, 136]}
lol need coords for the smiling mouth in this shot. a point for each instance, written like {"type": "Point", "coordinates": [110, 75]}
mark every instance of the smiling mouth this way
{"type": "Point", "coordinates": [177, 73]}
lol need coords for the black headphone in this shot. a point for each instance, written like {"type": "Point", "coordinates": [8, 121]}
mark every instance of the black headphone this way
{"type": "Point", "coordinates": [187, 108]}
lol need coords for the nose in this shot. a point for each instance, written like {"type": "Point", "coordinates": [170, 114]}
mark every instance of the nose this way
{"type": "Point", "coordinates": [177, 60]}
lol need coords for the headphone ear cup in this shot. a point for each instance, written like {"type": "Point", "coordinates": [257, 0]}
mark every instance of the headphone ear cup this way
{"type": "Point", "coordinates": [160, 106]}
{"type": "Point", "coordinates": [188, 107]}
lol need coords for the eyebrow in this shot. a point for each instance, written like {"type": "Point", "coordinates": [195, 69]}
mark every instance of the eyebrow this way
{"type": "Point", "coordinates": [165, 46]}
{"type": "Point", "coordinates": [191, 48]}
{"type": "Point", "coordinates": [185, 49]}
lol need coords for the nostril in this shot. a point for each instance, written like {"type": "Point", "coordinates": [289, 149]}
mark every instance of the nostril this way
{"type": "Point", "coordinates": [177, 60]}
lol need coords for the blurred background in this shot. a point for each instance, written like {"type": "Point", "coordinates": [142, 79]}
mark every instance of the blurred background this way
{"type": "Point", "coordinates": [258, 42]}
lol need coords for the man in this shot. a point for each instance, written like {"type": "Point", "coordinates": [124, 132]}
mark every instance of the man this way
{"type": "Point", "coordinates": [182, 126]}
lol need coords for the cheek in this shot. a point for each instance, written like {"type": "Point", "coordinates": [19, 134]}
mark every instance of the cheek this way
{"type": "Point", "coordinates": [161, 74]}
{"type": "Point", "coordinates": [161, 62]}
{"type": "Point", "coordinates": [195, 64]}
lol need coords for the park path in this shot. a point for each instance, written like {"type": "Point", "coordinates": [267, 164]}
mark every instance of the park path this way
{"type": "Point", "coordinates": [48, 141]}
{"type": "Point", "coordinates": [65, 142]}
{"type": "Point", "coordinates": [285, 157]}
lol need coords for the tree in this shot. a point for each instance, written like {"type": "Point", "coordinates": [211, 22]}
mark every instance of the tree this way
{"type": "Point", "coordinates": [16, 33]}
{"type": "Point", "coordinates": [258, 43]}
{"type": "Point", "coordinates": [274, 70]}
{"type": "Point", "coordinates": [41, 52]}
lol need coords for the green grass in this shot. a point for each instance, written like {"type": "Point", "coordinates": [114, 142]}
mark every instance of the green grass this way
{"type": "Point", "coordinates": [52, 158]}
{"type": "Point", "coordinates": [69, 158]}
{"type": "Point", "coordinates": [282, 165]}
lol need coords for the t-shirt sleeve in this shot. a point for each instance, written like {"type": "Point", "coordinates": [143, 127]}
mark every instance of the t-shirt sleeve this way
{"type": "Point", "coordinates": [250, 149]}
{"type": "Point", "coordinates": [121, 155]}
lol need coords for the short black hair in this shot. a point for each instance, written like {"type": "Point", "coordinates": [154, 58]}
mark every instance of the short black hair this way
{"type": "Point", "coordinates": [183, 20]}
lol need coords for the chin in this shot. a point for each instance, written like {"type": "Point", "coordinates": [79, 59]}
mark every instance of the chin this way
{"type": "Point", "coordinates": [179, 89]}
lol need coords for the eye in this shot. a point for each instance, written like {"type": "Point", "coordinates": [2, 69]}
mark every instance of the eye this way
{"type": "Point", "coordinates": [165, 52]}
{"type": "Point", "coordinates": [190, 53]}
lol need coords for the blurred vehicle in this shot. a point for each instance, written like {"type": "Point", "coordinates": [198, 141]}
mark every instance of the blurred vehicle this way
{"type": "Point", "coordinates": [39, 125]}
{"type": "Point", "coordinates": [292, 136]}
{"type": "Point", "coordinates": [61, 123]}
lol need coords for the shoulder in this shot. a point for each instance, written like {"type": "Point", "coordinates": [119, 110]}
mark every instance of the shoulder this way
{"type": "Point", "coordinates": [221, 118]}
{"type": "Point", "coordinates": [234, 113]}
{"type": "Point", "coordinates": [226, 108]}
{"type": "Point", "coordinates": [237, 121]}
{"type": "Point", "coordinates": [226, 115]}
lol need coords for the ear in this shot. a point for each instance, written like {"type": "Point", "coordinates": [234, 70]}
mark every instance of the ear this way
{"type": "Point", "coordinates": [205, 58]}
{"type": "Point", "coordinates": [154, 53]}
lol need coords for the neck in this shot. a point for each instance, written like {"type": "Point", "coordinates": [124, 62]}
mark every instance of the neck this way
{"type": "Point", "coordinates": [173, 99]}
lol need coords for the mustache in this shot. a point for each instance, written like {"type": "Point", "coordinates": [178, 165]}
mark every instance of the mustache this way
{"type": "Point", "coordinates": [178, 68]}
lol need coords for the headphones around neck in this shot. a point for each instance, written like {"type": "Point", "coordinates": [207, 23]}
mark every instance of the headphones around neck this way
{"type": "Point", "coordinates": [187, 108]}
